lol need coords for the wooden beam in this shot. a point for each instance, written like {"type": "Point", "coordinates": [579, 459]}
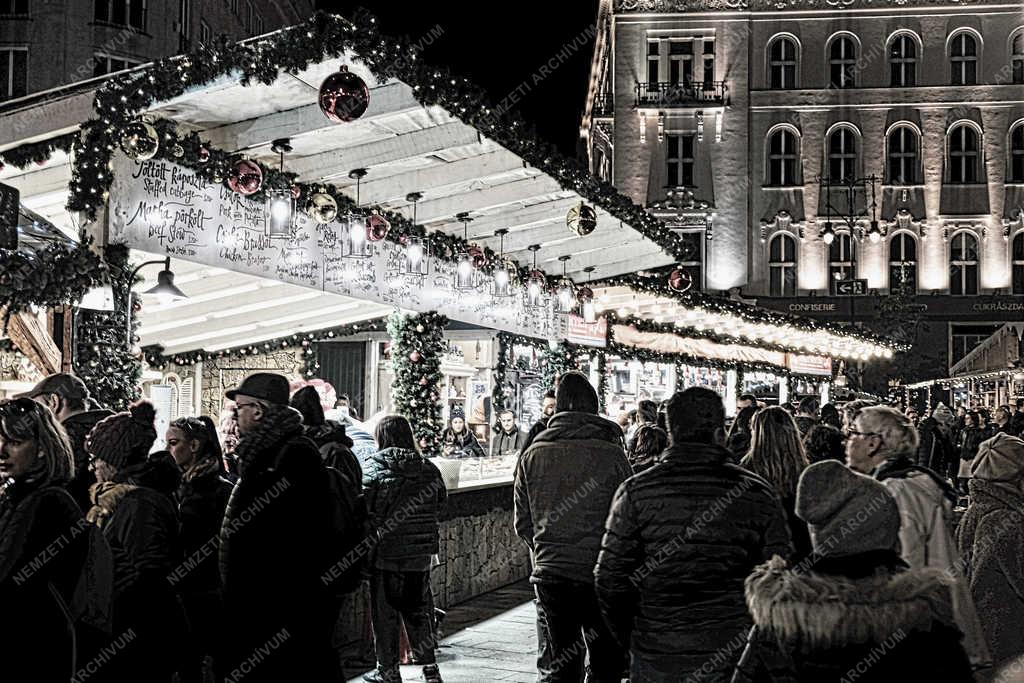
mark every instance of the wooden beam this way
{"type": "Point", "coordinates": [32, 339]}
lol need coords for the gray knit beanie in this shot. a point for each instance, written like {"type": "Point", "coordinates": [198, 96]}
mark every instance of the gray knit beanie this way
{"type": "Point", "coordinates": [846, 512]}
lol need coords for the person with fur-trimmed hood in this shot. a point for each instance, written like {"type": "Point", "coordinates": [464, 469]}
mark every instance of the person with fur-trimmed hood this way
{"type": "Point", "coordinates": [991, 541]}
{"type": "Point", "coordinates": [853, 610]}
{"type": "Point", "coordinates": [276, 544]}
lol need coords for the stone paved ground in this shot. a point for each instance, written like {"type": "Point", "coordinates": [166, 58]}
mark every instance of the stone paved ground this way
{"type": "Point", "coordinates": [490, 638]}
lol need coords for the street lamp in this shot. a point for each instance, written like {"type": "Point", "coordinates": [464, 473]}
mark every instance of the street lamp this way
{"type": "Point", "coordinates": [164, 288]}
{"type": "Point", "coordinates": [851, 213]}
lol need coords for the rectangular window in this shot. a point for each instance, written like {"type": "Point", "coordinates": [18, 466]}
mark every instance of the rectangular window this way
{"type": "Point", "coordinates": [680, 160]}
{"type": "Point", "coordinates": [122, 12]}
{"type": "Point", "coordinates": [13, 73]}
{"type": "Point", "coordinates": [966, 338]}
{"type": "Point", "coordinates": [105, 64]}
{"type": "Point", "coordinates": [653, 64]}
{"type": "Point", "coordinates": [709, 62]}
{"type": "Point", "coordinates": [691, 259]}
{"type": "Point", "coordinates": [13, 6]}
{"type": "Point", "coordinates": [680, 62]}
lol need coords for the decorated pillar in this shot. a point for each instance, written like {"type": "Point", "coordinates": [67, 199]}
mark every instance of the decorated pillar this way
{"type": "Point", "coordinates": [417, 345]}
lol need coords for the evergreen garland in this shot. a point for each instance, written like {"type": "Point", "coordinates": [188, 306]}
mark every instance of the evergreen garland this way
{"type": "Point", "coordinates": [416, 350]}
{"type": "Point", "coordinates": [499, 396]}
{"type": "Point", "coordinates": [56, 276]}
{"type": "Point", "coordinates": [105, 360]}
{"type": "Point", "coordinates": [36, 152]}
{"type": "Point", "coordinates": [556, 360]}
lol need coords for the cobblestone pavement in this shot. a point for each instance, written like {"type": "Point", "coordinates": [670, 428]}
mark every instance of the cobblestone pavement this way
{"type": "Point", "coordinates": [490, 638]}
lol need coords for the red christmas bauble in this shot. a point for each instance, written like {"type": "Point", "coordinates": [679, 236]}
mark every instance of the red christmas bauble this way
{"type": "Point", "coordinates": [246, 177]}
{"type": "Point", "coordinates": [377, 227]}
{"type": "Point", "coordinates": [203, 155]}
{"type": "Point", "coordinates": [680, 280]}
{"type": "Point", "coordinates": [344, 96]}
{"type": "Point", "coordinates": [585, 295]}
{"type": "Point", "coordinates": [296, 191]}
{"type": "Point", "coordinates": [415, 356]}
{"type": "Point", "coordinates": [477, 254]}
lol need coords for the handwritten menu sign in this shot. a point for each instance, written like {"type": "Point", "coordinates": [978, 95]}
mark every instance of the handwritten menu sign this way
{"type": "Point", "coordinates": [160, 207]}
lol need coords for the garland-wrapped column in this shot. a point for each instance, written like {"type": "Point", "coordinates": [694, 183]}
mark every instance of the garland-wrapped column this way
{"type": "Point", "coordinates": [556, 360]}
{"type": "Point", "coordinates": [416, 350]}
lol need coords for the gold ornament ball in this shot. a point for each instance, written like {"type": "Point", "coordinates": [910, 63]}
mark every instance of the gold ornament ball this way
{"type": "Point", "coordinates": [140, 141]}
{"type": "Point", "coordinates": [322, 207]}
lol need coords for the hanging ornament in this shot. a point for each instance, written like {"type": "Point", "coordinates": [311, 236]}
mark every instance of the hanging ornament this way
{"type": "Point", "coordinates": [420, 329]}
{"type": "Point", "coordinates": [415, 356]}
{"type": "Point", "coordinates": [476, 253]}
{"type": "Point", "coordinates": [296, 191]}
{"type": "Point", "coordinates": [377, 227]}
{"type": "Point", "coordinates": [203, 155]}
{"type": "Point", "coordinates": [344, 96]}
{"type": "Point", "coordinates": [585, 295]}
{"type": "Point", "coordinates": [679, 280]}
{"type": "Point", "coordinates": [136, 305]}
{"type": "Point", "coordinates": [140, 141]}
{"type": "Point", "coordinates": [178, 151]}
{"type": "Point", "coordinates": [582, 219]}
{"type": "Point", "coordinates": [246, 177]}
{"type": "Point", "coordinates": [322, 207]}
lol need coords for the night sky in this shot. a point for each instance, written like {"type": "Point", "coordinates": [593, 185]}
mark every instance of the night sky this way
{"type": "Point", "coordinates": [502, 47]}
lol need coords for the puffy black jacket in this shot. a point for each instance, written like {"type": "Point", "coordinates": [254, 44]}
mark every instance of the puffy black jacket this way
{"type": "Point", "coordinates": [404, 496]}
{"type": "Point", "coordinates": [682, 537]}
{"type": "Point", "coordinates": [859, 617]}
{"type": "Point", "coordinates": [201, 505]}
{"type": "Point", "coordinates": [41, 544]}
{"type": "Point", "coordinates": [78, 427]}
{"type": "Point", "coordinates": [336, 448]}
{"type": "Point", "coordinates": [462, 445]}
{"type": "Point", "coordinates": [564, 484]}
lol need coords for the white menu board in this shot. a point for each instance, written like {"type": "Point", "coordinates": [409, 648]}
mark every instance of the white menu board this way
{"type": "Point", "coordinates": [160, 207]}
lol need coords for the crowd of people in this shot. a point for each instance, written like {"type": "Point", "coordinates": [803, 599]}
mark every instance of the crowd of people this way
{"type": "Point", "coordinates": [801, 544]}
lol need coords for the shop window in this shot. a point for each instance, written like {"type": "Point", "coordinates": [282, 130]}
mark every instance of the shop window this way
{"type": "Point", "coordinates": [842, 154]}
{"type": "Point", "coordinates": [1016, 174]}
{"type": "Point", "coordinates": [13, 72]}
{"type": "Point", "coordinates": [782, 158]}
{"type": "Point", "coordinates": [692, 260]}
{"type": "Point", "coordinates": [13, 7]}
{"type": "Point", "coordinates": [782, 265]}
{"type": "Point", "coordinates": [122, 12]}
{"type": "Point", "coordinates": [903, 156]}
{"type": "Point", "coordinates": [903, 61]}
{"type": "Point", "coordinates": [679, 157]}
{"type": "Point", "coordinates": [842, 60]}
{"type": "Point", "coordinates": [1017, 56]}
{"type": "Point", "coordinates": [903, 264]}
{"type": "Point", "coordinates": [105, 64]}
{"type": "Point", "coordinates": [841, 259]}
{"type": "Point", "coordinates": [1018, 263]}
{"type": "Point", "coordinates": [964, 155]}
{"type": "Point", "coordinates": [963, 265]}
{"type": "Point", "coordinates": [963, 59]}
{"type": "Point", "coordinates": [782, 63]}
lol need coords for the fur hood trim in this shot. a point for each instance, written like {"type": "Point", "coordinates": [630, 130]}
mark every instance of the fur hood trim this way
{"type": "Point", "coordinates": [827, 611]}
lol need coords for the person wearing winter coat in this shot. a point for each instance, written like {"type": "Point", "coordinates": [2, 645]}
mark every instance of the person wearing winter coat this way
{"type": "Point", "coordinates": [738, 439]}
{"type": "Point", "coordinates": [547, 409]}
{"type": "Point", "coordinates": [405, 496]}
{"type": "Point", "coordinates": [824, 442]}
{"type": "Point", "coordinates": [329, 436]}
{"type": "Point", "coordinates": [43, 545]}
{"type": "Point", "coordinates": [937, 451]}
{"type": "Point", "coordinates": [807, 415]}
{"type": "Point", "coordinates": [853, 610]}
{"type": "Point", "coordinates": [681, 537]}
{"type": "Point", "coordinates": [970, 437]}
{"type": "Point", "coordinates": [508, 438]}
{"type": "Point", "coordinates": [564, 483]}
{"type": "Point", "coordinates": [68, 399]}
{"type": "Point", "coordinates": [777, 455]}
{"type": "Point", "coordinates": [276, 544]}
{"type": "Point", "coordinates": [133, 506]}
{"type": "Point", "coordinates": [202, 498]}
{"type": "Point", "coordinates": [881, 444]}
{"type": "Point", "coordinates": [649, 442]}
{"type": "Point", "coordinates": [458, 441]}
{"type": "Point", "coordinates": [991, 541]}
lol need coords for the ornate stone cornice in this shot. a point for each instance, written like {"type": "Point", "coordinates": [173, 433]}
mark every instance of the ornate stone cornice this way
{"type": "Point", "coordinates": [683, 6]}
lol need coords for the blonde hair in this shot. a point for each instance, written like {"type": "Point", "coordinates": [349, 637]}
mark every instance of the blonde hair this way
{"type": "Point", "coordinates": [776, 451]}
{"type": "Point", "coordinates": [898, 434]}
{"type": "Point", "coordinates": [29, 420]}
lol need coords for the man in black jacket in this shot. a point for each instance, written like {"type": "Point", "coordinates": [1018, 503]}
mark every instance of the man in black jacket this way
{"type": "Point", "coordinates": [68, 398]}
{"type": "Point", "coordinates": [547, 409]}
{"type": "Point", "coordinates": [275, 545]}
{"type": "Point", "coordinates": [563, 485]}
{"type": "Point", "coordinates": [681, 538]}
{"type": "Point", "coordinates": [508, 438]}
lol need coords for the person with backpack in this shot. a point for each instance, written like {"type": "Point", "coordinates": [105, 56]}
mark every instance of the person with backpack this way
{"type": "Point", "coordinates": [43, 543]}
{"type": "Point", "coordinates": [405, 494]}
{"type": "Point", "coordinates": [201, 499]}
{"type": "Point", "coordinates": [276, 544]}
{"type": "Point", "coordinates": [133, 506]}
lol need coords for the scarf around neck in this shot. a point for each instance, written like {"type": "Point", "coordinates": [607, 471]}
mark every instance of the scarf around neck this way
{"type": "Point", "coordinates": [278, 424]}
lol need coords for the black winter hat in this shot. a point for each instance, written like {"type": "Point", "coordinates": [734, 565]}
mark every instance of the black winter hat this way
{"type": "Point", "coordinates": [267, 386]}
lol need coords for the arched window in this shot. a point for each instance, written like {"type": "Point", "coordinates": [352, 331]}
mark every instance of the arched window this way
{"type": "Point", "coordinates": [782, 265]}
{"type": "Point", "coordinates": [1016, 174]}
{"type": "Point", "coordinates": [782, 63]}
{"type": "Point", "coordinates": [783, 154]}
{"type": "Point", "coordinates": [841, 259]}
{"type": "Point", "coordinates": [842, 154]}
{"type": "Point", "coordinates": [1018, 263]}
{"type": "Point", "coordinates": [903, 264]}
{"type": "Point", "coordinates": [903, 61]}
{"type": "Point", "coordinates": [1017, 56]}
{"type": "Point", "coordinates": [902, 150]}
{"type": "Point", "coordinates": [964, 154]}
{"type": "Point", "coordinates": [963, 265]}
{"type": "Point", "coordinates": [842, 60]}
{"type": "Point", "coordinates": [963, 59]}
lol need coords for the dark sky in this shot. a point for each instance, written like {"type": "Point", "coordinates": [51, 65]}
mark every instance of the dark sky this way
{"type": "Point", "coordinates": [502, 47]}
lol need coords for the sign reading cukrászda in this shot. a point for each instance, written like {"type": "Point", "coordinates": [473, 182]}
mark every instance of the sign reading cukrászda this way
{"type": "Point", "coordinates": [163, 208]}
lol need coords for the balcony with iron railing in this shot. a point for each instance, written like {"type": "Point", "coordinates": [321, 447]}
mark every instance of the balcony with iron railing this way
{"type": "Point", "coordinates": [665, 95]}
